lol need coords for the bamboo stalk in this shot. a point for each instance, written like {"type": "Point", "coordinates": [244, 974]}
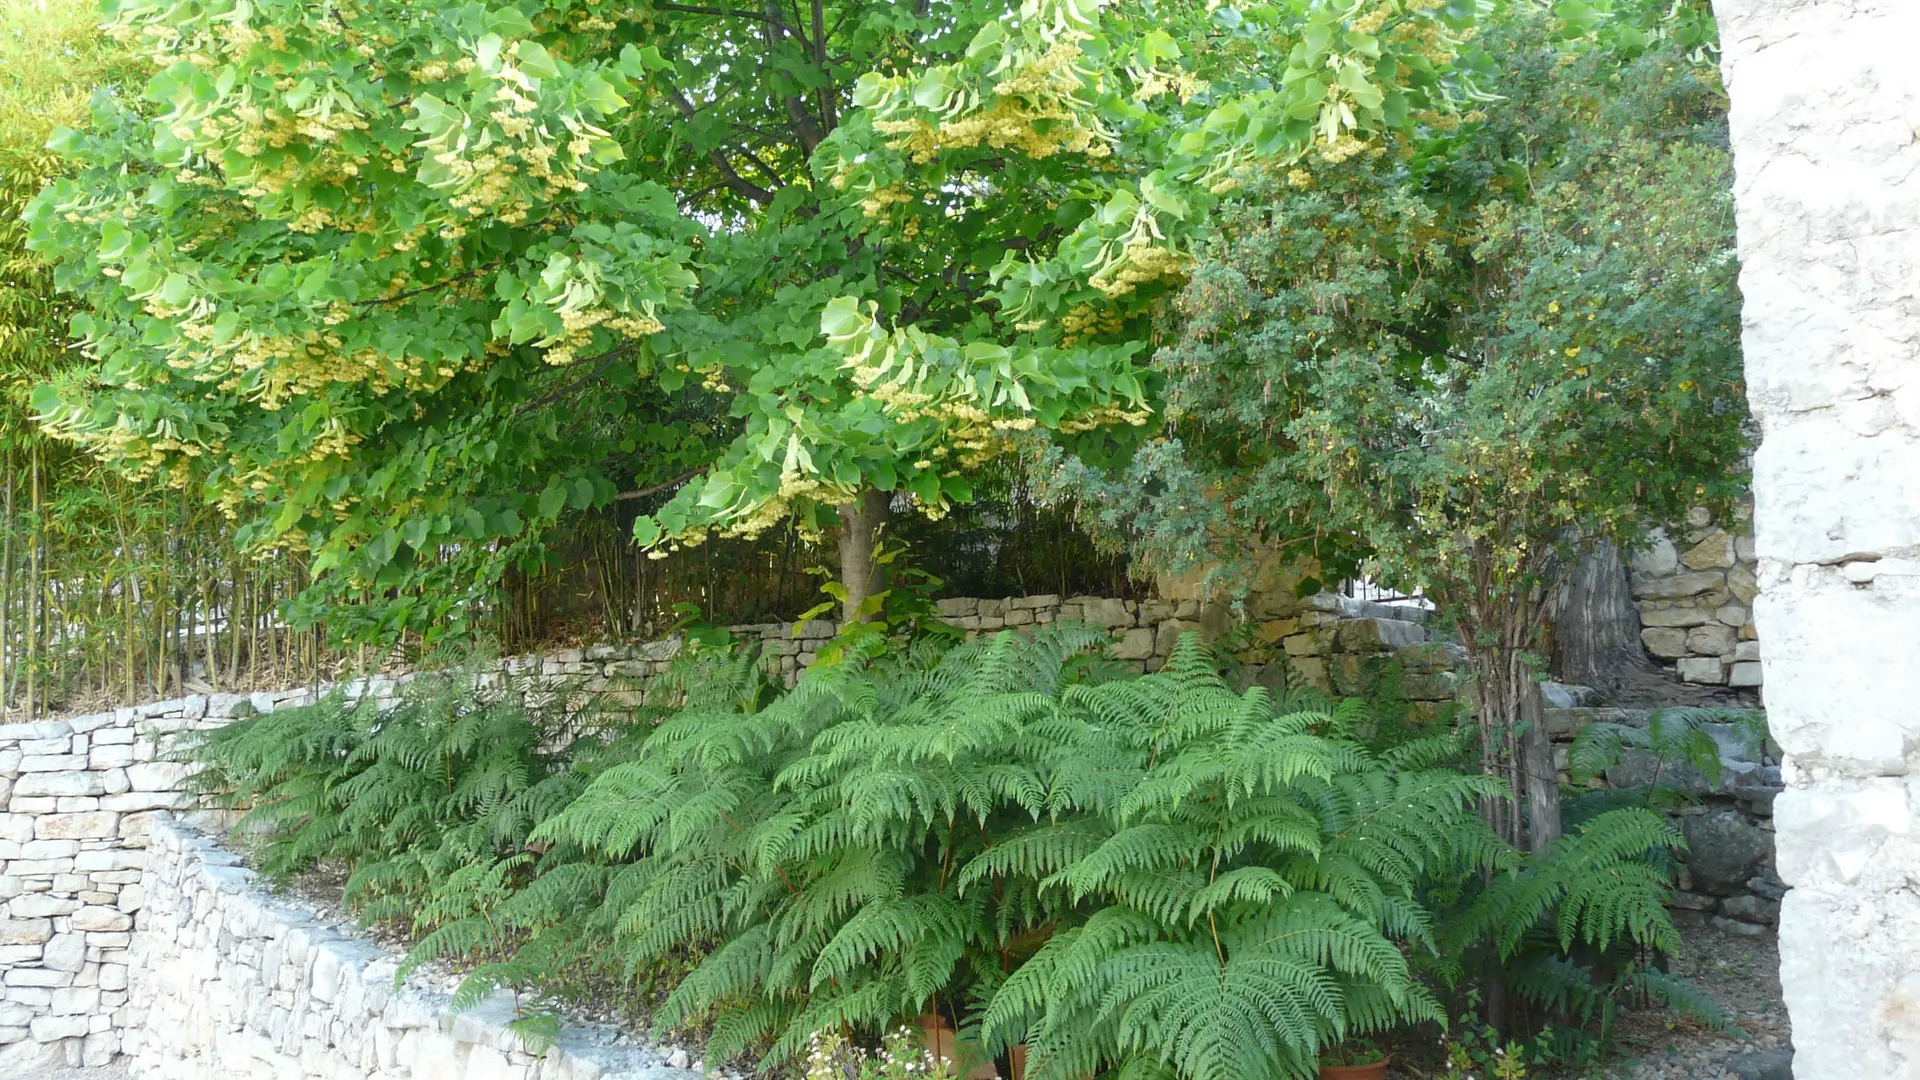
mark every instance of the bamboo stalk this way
{"type": "Point", "coordinates": [6, 595]}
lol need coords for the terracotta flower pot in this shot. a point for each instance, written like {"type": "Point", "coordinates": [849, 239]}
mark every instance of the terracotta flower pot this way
{"type": "Point", "coordinates": [943, 1043]}
{"type": "Point", "coordinates": [1376, 1070]}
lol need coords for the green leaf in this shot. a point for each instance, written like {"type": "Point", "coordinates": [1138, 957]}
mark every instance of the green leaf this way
{"type": "Point", "coordinates": [535, 61]}
{"type": "Point", "coordinates": [646, 531]}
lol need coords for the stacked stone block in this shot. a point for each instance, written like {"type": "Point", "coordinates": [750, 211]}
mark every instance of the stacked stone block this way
{"type": "Point", "coordinates": [229, 984]}
{"type": "Point", "coordinates": [1695, 595]}
{"type": "Point", "coordinates": [1328, 641]}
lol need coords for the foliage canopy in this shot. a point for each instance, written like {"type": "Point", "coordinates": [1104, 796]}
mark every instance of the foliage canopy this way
{"type": "Point", "coordinates": [399, 281]}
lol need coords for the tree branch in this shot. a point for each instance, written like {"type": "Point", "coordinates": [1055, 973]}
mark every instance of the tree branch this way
{"type": "Point", "coordinates": [662, 486]}
{"type": "Point", "coordinates": [1425, 341]}
{"type": "Point", "coordinates": [441, 284]}
{"type": "Point", "coordinates": [605, 360]}
{"type": "Point", "coordinates": [695, 9]}
{"type": "Point", "coordinates": [739, 184]}
{"type": "Point", "coordinates": [805, 127]}
{"type": "Point", "coordinates": [827, 117]}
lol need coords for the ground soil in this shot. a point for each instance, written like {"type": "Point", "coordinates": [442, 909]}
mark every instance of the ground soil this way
{"type": "Point", "coordinates": [1742, 975]}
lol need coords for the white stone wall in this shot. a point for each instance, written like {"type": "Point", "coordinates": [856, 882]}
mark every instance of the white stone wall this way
{"type": "Point", "coordinates": [1826, 140]}
{"type": "Point", "coordinates": [80, 794]}
{"type": "Point", "coordinates": [229, 984]}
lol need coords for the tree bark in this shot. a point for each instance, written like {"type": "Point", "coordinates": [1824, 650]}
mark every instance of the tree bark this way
{"type": "Point", "coordinates": [860, 522]}
{"type": "Point", "coordinates": [1542, 780]}
{"type": "Point", "coordinates": [1515, 746]}
{"type": "Point", "coordinates": [1596, 627]}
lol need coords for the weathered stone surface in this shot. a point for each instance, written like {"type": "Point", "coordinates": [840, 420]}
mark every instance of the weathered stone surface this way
{"type": "Point", "coordinates": [1105, 612]}
{"type": "Point", "coordinates": [102, 919]}
{"type": "Point", "coordinates": [55, 784]}
{"type": "Point", "coordinates": [1723, 851]}
{"type": "Point", "coordinates": [1713, 552]}
{"type": "Point", "coordinates": [25, 931]}
{"type": "Point", "coordinates": [1134, 644]}
{"type": "Point", "coordinates": [1168, 635]}
{"type": "Point", "coordinates": [1751, 909]}
{"type": "Point", "coordinates": [1376, 635]}
{"type": "Point", "coordinates": [1711, 640]}
{"type": "Point", "coordinates": [98, 824]}
{"type": "Point", "coordinates": [1823, 138]}
{"type": "Point", "coordinates": [1688, 583]}
{"type": "Point", "coordinates": [1658, 558]}
{"type": "Point", "coordinates": [1702, 669]}
{"type": "Point", "coordinates": [200, 1001]}
{"type": "Point", "coordinates": [1682, 614]}
{"type": "Point", "coordinates": [1667, 643]}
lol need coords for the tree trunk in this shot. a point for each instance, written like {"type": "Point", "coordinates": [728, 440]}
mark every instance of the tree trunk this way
{"type": "Point", "coordinates": [1542, 780]}
{"type": "Point", "coordinates": [1515, 746]}
{"type": "Point", "coordinates": [1596, 627]}
{"type": "Point", "coordinates": [860, 523]}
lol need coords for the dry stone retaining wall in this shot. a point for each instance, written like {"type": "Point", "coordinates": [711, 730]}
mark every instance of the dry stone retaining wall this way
{"type": "Point", "coordinates": [1695, 594]}
{"type": "Point", "coordinates": [229, 984]}
{"type": "Point", "coordinates": [81, 794]}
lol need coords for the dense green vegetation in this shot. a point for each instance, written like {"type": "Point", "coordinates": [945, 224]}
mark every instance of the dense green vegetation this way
{"type": "Point", "coordinates": [334, 330]}
{"type": "Point", "coordinates": [403, 283]}
{"type": "Point", "coordinates": [1155, 875]}
{"type": "Point", "coordinates": [1459, 359]}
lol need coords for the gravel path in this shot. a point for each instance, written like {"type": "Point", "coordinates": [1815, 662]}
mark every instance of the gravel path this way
{"type": "Point", "coordinates": [1741, 974]}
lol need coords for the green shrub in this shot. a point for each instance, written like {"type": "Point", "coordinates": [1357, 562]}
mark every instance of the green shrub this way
{"type": "Point", "coordinates": [1140, 875]}
{"type": "Point", "coordinates": [404, 800]}
{"type": "Point", "coordinates": [1146, 872]}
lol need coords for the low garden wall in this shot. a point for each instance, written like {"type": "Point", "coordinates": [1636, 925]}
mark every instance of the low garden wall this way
{"type": "Point", "coordinates": [228, 983]}
{"type": "Point", "coordinates": [114, 920]}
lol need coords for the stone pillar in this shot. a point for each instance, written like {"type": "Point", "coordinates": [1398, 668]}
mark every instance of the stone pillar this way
{"type": "Point", "coordinates": [1826, 140]}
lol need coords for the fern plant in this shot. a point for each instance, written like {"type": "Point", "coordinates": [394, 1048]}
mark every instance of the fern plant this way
{"type": "Point", "coordinates": [1148, 873]}
{"type": "Point", "coordinates": [1674, 738]}
{"type": "Point", "coordinates": [1143, 876]}
{"type": "Point", "coordinates": [543, 919]}
{"type": "Point", "coordinates": [1580, 931]}
{"type": "Point", "coordinates": [1254, 872]}
{"type": "Point", "coordinates": [410, 801]}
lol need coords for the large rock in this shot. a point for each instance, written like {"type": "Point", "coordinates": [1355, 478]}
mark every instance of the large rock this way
{"type": "Point", "coordinates": [1710, 670]}
{"type": "Point", "coordinates": [1723, 851]}
{"type": "Point", "coordinates": [1376, 635]}
{"type": "Point", "coordinates": [1558, 695]}
{"type": "Point", "coordinates": [1658, 613]}
{"type": "Point", "coordinates": [1106, 612]}
{"type": "Point", "coordinates": [1713, 639]}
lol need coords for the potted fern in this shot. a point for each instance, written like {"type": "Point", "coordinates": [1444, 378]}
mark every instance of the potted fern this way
{"type": "Point", "coordinates": [1357, 1059]}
